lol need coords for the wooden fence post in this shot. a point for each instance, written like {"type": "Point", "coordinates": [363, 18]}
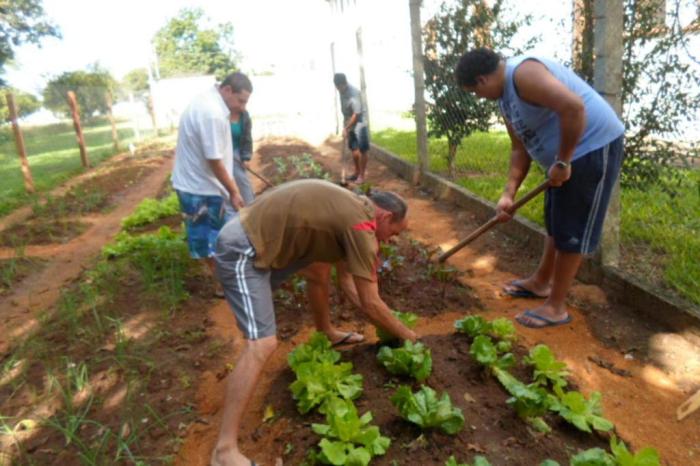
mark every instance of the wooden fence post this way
{"type": "Point", "coordinates": [19, 142]}
{"type": "Point", "coordinates": [110, 116]}
{"type": "Point", "coordinates": [78, 129]}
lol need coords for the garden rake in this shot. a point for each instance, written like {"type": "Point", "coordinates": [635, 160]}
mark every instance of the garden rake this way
{"type": "Point", "coordinates": [488, 225]}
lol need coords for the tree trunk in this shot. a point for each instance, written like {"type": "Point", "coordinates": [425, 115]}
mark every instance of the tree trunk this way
{"type": "Point", "coordinates": [452, 153]}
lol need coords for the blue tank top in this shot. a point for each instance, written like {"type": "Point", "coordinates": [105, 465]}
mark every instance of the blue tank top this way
{"type": "Point", "coordinates": [538, 127]}
{"type": "Point", "coordinates": [236, 131]}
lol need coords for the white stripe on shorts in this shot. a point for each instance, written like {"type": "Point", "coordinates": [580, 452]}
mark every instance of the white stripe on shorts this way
{"type": "Point", "coordinates": [588, 232]}
{"type": "Point", "coordinates": [245, 295]}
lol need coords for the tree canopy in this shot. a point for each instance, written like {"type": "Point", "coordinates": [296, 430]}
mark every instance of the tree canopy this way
{"type": "Point", "coordinates": [26, 103]}
{"type": "Point", "coordinates": [458, 27]}
{"type": "Point", "coordinates": [185, 47]}
{"type": "Point", "coordinates": [90, 88]}
{"type": "Point", "coordinates": [22, 22]}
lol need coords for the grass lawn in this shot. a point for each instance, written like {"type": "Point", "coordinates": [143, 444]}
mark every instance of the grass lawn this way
{"type": "Point", "coordinates": [53, 156]}
{"type": "Point", "coordinates": [667, 228]}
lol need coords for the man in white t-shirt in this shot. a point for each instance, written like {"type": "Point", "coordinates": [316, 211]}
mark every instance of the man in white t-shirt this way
{"type": "Point", "coordinates": [202, 176]}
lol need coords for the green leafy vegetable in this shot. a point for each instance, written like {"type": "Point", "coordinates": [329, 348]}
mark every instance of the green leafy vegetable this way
{"type": "Point", "coordinates": [547, 369]}
{"type": "Point", "coordinates": [413, 359]}
{"type": "Point", "coordinates": [348, 438]}
{"type": "Point", "coordinates": [317, 349]}
{"type": "Point", "coordinates": [531, 402]}
{"type": "Point", "coordinates": [409, 319]}
{"type": "Point", "coordinates": [427, 411]}
{"type": "Point", "coordinates": [620, 456]}
{"type": "Point", "coordinates": [623, 457]}
{"type": "Point", "coordinates": [486, 353]}
{"type": "Point", "coordinates": [472, 326]}
{"type": "Point", "coordinates": [549, 463]}
{"type": "Point", "coordinates": [502, 329]}
{"type": "Point", "coordinates": [580, 412]}
{"type": "Point", "coordinates": [592, 457]}
{"type": "Point", "coordinates": [318, 382]}
{"type": "Point", "coordinates": [478, 461]}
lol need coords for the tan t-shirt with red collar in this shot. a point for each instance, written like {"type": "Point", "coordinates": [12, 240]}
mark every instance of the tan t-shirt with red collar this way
{"type": "Point", "coordinates": [313, 221]}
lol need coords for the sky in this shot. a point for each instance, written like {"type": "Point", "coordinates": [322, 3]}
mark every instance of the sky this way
{"type": "Point", "coordinates": [286, 33]}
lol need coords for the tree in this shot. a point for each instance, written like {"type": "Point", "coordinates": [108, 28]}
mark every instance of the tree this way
{"type": "Point", "coordinates": [660, 88]}
{"type": "Point", "coordinates": [90, 88]}
{"type": "Point", "coordinates": [22, 22]}
{"type": "Point", "coordinates": [135, 81]}
{"type": "Point", "coordinates": [185, 48]}
{"type": "Point", "coordinates": [456, 28]}
{"type": "Point", "coordinates": [26, 103]}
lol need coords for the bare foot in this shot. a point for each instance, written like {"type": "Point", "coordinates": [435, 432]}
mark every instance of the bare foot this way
{"type": "Point", "coordinates": [228, 456]}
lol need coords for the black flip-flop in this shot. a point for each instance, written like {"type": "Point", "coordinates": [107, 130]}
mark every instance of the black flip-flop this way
{"type": "Point", "coordinates": [351, 177]}
{"type": "Point", "coordinates": [546, 322]}
{"type": "Point", "coordinates": [346, 340]}
{"type": "Point", "coordinates": [519, 291]}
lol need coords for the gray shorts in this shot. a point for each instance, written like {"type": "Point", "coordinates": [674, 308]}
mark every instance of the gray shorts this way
{"type": "Point", "coordinates": [247, 288]}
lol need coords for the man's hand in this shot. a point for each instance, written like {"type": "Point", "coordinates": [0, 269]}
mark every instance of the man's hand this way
{"type": "Point", "coordinates": [559, 174]}
{"type": "Point", "coordinates": [503, 207]}
{"type": "Point", "coordinates": [237, 201]}
{"type": "Point", "coordinates": [345, 133]}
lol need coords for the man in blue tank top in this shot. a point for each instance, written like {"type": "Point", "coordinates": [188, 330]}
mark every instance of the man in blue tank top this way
{"type": "Point", "coordinates": [554, 118]}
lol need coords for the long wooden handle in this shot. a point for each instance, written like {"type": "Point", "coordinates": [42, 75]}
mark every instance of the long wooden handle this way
{"type": "Point", "coordinates": [488, 225]}
{"type": "Point", "coordinates": [261, 178]}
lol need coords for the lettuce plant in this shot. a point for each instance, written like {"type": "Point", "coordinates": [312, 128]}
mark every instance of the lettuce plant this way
{"type": "Point", "coordinates": [427, 411]}
{"type": "Point", "coordinates": [317, 349]}
{"type": "Point", "coordinates": [472, 326]}
{"type": "Point", "coordinates": [547, 369]}
{"type": "Point", "coordinates": [478, 461]}
{"type": "Point", "coordinates": [531, 402]}
{"type": "Point", "coordinates": [581, 412]}
{"type": "Point", "coordinates": [317, 382]}
{"type": "Point", "coordinates": [620, 456]}
{"type": "Point", "coordinates": [348, 439]}
{"type": "Point", "coordinates": [486, 353]}
{"type": "Point", "coordinates": [412, 359]}
{"type": "Point", "coordinates": [409, 319]}
{"type": "Point", "coordinates": [500, 329]}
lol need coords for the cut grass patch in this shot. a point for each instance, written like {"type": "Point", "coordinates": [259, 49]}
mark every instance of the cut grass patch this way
{"type": "Point", "coordinates": [53, 157]}
{"type": "Point", "coordinates": [667, 228]}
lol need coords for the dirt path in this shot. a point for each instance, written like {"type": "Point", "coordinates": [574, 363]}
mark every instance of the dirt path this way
{"type": "Point", "coordinates": [40, 291]}
{"type": "Point", "coordinates": [639, 398]}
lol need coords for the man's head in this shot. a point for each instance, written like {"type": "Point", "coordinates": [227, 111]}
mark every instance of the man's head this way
{"type": "Point", "coordinates": [481, 71]}
{"type": "Point", "coordinates": [390, 214]}
{"type": "Point", "coordinates": [235, 89]}
{"type": "Point", "coordinates": [340, 81]}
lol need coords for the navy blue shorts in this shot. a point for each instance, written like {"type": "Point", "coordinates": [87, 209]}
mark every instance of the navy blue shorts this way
{"type": "Point", "coordinates": [574, 212]}
{"type": "Point", "coordinates": [360, 142]}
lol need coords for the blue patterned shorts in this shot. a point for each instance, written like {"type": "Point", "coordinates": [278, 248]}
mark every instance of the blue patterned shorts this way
{"type": "Point", "coordinates": [204, 217]}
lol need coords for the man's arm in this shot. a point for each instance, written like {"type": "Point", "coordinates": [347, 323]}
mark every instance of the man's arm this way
{"type": "Point", "coordinates": [536, 85]}
{"type": "Point", "coordinates": [347, 284]}
{"type": "Point", "coordinates": [377, 311]}
{"type": "Point", "coordinates": [217, 166]}
{"type": "Point", "coordinates": [519, 168]}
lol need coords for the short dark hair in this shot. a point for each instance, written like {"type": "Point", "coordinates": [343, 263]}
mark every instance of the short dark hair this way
{"type": "Point", "coordinates": [238, 82]}
{"type": "Point", "coordinates": [390, 201]}
{"type": "Point", "coordinates": [475, 63]}
{"type": "Point", "coordinates": [339, 79]}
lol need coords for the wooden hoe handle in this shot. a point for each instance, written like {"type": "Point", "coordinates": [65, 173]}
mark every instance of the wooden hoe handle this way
{"type": "Point", "coordinates": [488, 225]}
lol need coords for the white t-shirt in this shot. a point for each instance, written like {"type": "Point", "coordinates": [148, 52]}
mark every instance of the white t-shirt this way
{"type": "Point", "coordinates": [204, 134]}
